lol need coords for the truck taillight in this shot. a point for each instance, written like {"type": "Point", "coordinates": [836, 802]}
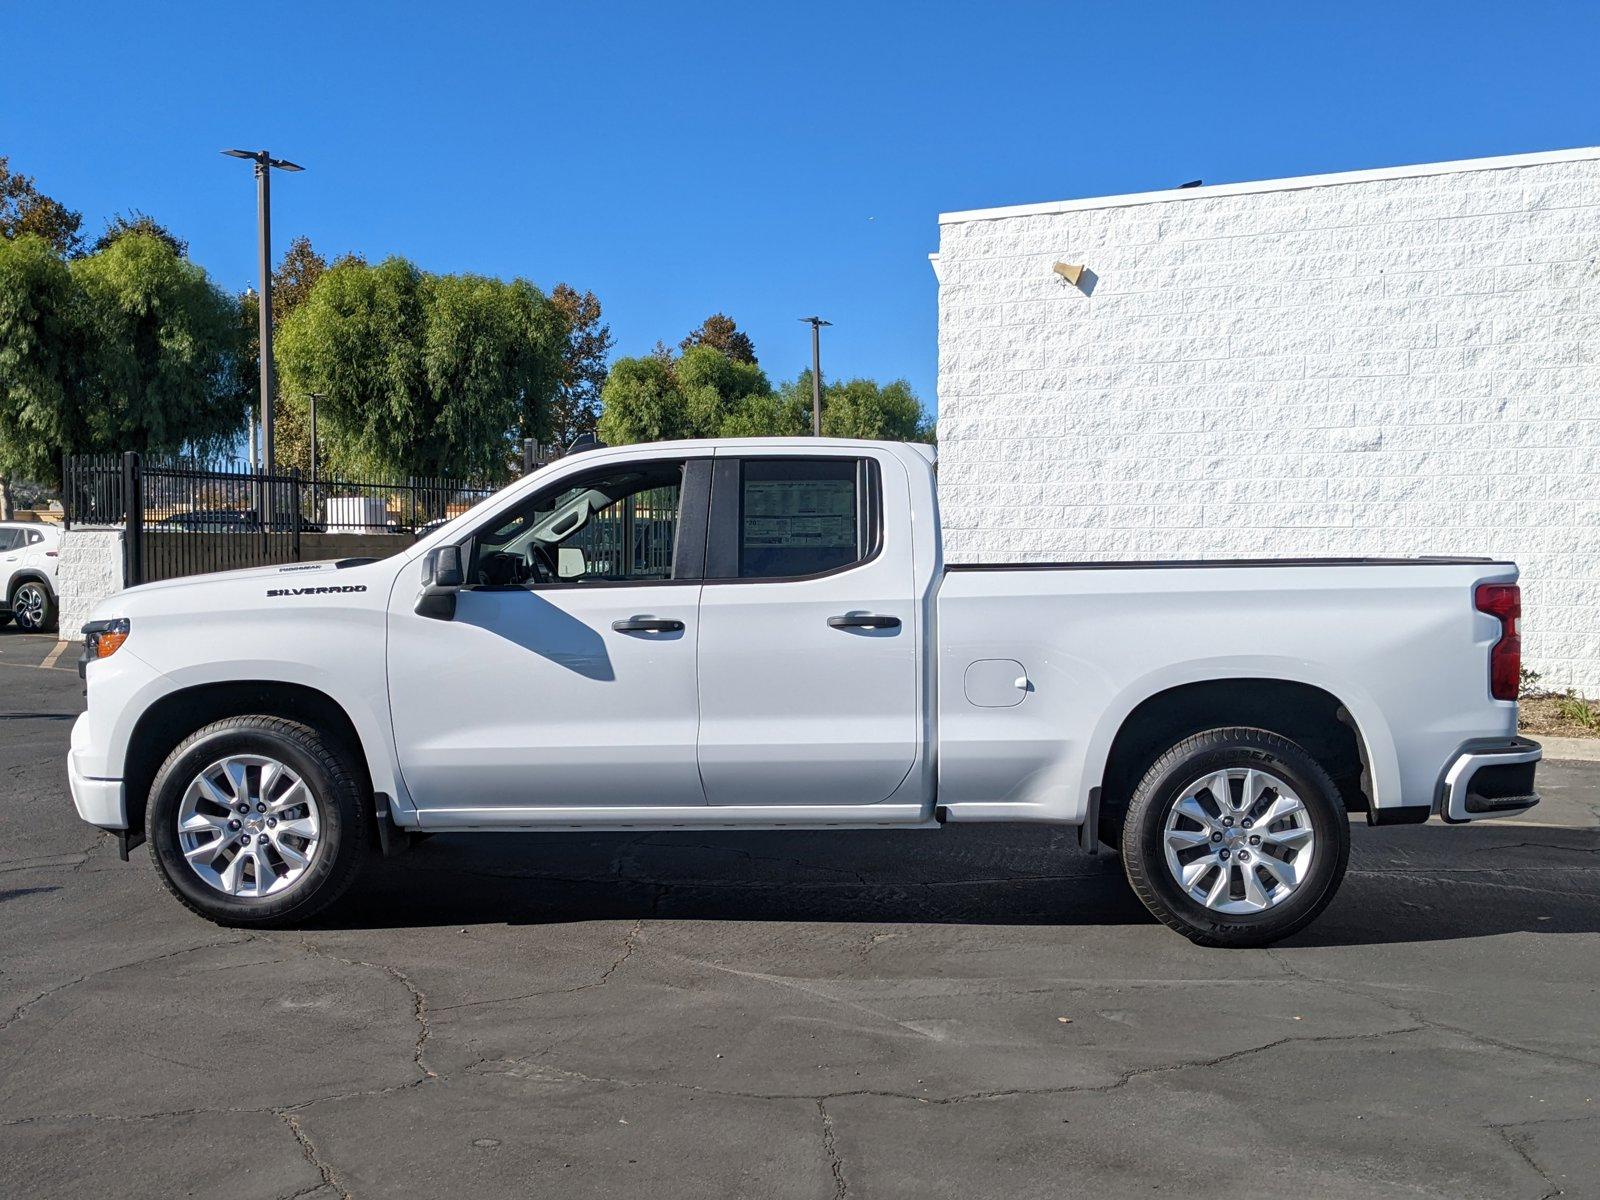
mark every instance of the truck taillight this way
{"type": "Point", "coordinates": [1503, 601]}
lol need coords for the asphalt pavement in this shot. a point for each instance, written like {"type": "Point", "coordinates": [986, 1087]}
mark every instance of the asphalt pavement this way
{"type": "Point", "coordinates": [971, 1012]}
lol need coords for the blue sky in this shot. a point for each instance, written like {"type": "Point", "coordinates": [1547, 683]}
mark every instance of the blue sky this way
{"type": "Point", "coordinates": [765, 160]}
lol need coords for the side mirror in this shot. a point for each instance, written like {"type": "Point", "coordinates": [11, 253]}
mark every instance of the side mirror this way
{"type": "Point", "coordinates": [442, 568]}
{"type": "Point", "coordinates": [442, 578]}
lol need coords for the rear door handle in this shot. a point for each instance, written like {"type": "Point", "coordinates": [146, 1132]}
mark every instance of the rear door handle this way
{"type": "Point", "coordinates": [647, 625]}
{"type": "Point", "coordinates": [863, 621]}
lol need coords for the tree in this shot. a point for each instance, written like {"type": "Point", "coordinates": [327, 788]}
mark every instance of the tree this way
{"type": "Point", "coordinates": [131, 348]}
{"type": "Point", "coordinates": [641, 403]}
{"type": "Point", "coordinates": [163, 354]}
{"type": "Point", "coordinates": [25, 209]}
{"type": "Point", "coordinates": [137, 222]}
{"type": "Point", "coordinates": [713, 386]}
{"type": "Point", "coordinates": [41, 358]}
{"type": "Point", "coordinates": [720, 333]}
{"type": "Point", "coordinates": [296, 274]}
{"type": "Point", "coordinates": [293, 278]}
{"type": "Point", "coordinates": [422, 374]}
{"type": "Point", "coordinates": [576, 407]}
{"type": "Point", "coordinates": [702, 394]}
{"type": "Point", "coordinates": [861, 408]}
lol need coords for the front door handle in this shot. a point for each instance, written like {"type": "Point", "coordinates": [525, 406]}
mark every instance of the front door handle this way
{"type": "Point", "coordinates": [863, 621]}
{"type": "Point", "coordinates": [648, 625]}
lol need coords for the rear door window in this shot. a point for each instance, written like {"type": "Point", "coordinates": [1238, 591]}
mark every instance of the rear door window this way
{"type": "Point", "coordinates": [792, 518]}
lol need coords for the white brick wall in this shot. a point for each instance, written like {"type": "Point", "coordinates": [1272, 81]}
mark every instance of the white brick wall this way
{"type": "Point", "coordinates": [88, 571]}
{"type": "Point", "coordinates": [1388, 362]}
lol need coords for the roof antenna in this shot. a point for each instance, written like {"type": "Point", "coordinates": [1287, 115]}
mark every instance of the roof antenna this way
{"type": "Point", "coordinates": [1192, 183]}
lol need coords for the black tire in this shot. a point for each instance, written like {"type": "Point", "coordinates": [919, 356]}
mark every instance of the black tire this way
{"type": "Point", "coordinates": [46, 621]}
{"type": "Point", "coordinates": [1163, 785]}
{"type": "Point", "coordinates": [324, 767]}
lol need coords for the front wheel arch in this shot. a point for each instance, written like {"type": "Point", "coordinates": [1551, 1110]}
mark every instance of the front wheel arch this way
{"type": "Point", "coordinates": [173, 717]}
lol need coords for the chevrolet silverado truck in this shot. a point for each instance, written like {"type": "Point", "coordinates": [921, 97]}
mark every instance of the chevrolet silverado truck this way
{"type": "Point", "coordinates": [765, 634]}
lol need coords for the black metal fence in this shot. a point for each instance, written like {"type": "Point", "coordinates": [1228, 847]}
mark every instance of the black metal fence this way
{"type": "Point", "coordinates": [184, 516]}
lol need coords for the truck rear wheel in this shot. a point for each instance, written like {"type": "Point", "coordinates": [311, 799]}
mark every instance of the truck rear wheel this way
{"type": "Point", "coordinates": [257, 820]}
{"type": "Point", "coordinates": [1235, 837]}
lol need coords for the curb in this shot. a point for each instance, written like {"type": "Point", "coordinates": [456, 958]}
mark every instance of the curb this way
{"type": "Point", "coordinates": [1567, 749]}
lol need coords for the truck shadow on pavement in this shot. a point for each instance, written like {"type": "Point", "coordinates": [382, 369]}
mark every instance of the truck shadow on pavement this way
{"type": "Point", "coordinates": [1407, 885]}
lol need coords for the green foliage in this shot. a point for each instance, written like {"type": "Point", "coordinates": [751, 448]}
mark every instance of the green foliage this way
{"type": "Point", "coordinates": [421, 374]}
{"type": "Point", "coordinates": [131, 348]}
{"type": "Point", "coordinates": [769, 415]}
{"type": "Point", "coordinates": [713, 387]}
{"type": "Point", "coordinates": [641, 403]}
{"type": "Point", "coordinates": [162, 368]}
{"type": "Point", "coordinates": [24, 209]}
{"type": "Point", "coordinates": [720, 333]}
{"type": "Point", "coordinates": [861, 408]}
{"type": "Point", "coordinates": [703, 394]}
{"type": "Point", "coordinates": [707, 394]}
{"type": "Point", "coordinates": [42, 351]}
{"type": "Point", "coordinates": [137, 222]}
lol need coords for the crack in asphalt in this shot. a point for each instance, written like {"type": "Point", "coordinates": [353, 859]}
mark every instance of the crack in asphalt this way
{"type": "Point", "coordinates": [1531, 846]}
{"type": "Point", "coordinates": [1416, 1015]}
{"type": "Point", "coordinates": [419, 999]}
{"type": "Point", "coordinates": [1522, 1152]}
{"type": "Point", "coordinates": [1121, 1080]}
{"type": "Point", "coordinates": [330, 1177]}
{"type": "Point", "coordinates": [630, 943]}
{"type": "Point", "coordinates": [830, 1148]}
{"type": "Point", "coordinates": [18, 1012]}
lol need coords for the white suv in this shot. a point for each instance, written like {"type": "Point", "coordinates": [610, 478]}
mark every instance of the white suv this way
{"type": "Point", "coordinates": [28, 557]}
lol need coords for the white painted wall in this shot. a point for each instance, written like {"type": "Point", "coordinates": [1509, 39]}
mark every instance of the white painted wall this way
{"type": "Point", "coordinates": [88, 571]}
{"type": "Point", "coordinates": [1391, 362]}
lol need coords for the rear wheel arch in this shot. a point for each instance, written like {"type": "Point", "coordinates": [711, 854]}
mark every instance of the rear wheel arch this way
{"type": "Point", "coordinates": [1310, 716]}
{"type": "Point", "coordinates": [173, 717]}
{"type": "Point", "coordinates": [32, 573]}
{"type": "Point", "coordinates": [29, 575]}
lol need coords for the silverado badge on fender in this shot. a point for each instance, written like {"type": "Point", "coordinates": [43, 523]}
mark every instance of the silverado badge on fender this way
{"type": "Point", "coordinates": [317, 591]}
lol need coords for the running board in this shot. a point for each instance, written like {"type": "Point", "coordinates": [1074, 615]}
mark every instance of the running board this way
{"type": "Point", "coordinates": [708, 816]}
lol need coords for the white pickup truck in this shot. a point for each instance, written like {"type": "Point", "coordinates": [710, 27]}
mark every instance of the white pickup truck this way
{"type": "Point", "coordinates": [765, 634]}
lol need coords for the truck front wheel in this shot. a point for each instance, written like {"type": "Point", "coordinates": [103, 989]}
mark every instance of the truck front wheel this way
{"type": "Point", "coordinates": [257, 820]}
{"type": "Point", "coordinates": [1235, 837]}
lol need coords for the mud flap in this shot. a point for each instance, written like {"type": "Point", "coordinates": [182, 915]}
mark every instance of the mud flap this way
{"type": "Point", "coordinates": [1089, 831]}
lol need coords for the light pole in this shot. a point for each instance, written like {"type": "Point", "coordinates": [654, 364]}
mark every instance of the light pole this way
{"type": "Point", "coordinates": [264, 164]}
{"type": "Point", "coordinates": [816, 324]}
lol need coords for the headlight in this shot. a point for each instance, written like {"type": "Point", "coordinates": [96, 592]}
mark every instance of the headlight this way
{"type": "Point", "coordinates": [102, 639]}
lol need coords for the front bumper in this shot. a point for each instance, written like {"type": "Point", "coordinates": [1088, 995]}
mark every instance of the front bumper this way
{"type": "Point", "coordinates": [98, 801]}
{"type": "Point", "coordinates": [1490, 777]}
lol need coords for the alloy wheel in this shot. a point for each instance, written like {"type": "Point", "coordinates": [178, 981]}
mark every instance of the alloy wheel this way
{"type": "Point", "coordinates": [28, 606]}
{"type": "Point", "coordinates": [1239, 840]}
{"type": "Point", "coordinates": [249, 826]}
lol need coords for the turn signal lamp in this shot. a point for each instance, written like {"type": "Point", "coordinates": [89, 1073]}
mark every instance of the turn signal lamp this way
{"type": "Point", "coordinates": [102, 639]}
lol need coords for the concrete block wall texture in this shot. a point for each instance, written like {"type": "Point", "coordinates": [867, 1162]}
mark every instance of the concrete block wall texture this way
{"type": "Point", "coordinates": [1393, 362]}
{"type": "Point", "coordinates": [88, 570]}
